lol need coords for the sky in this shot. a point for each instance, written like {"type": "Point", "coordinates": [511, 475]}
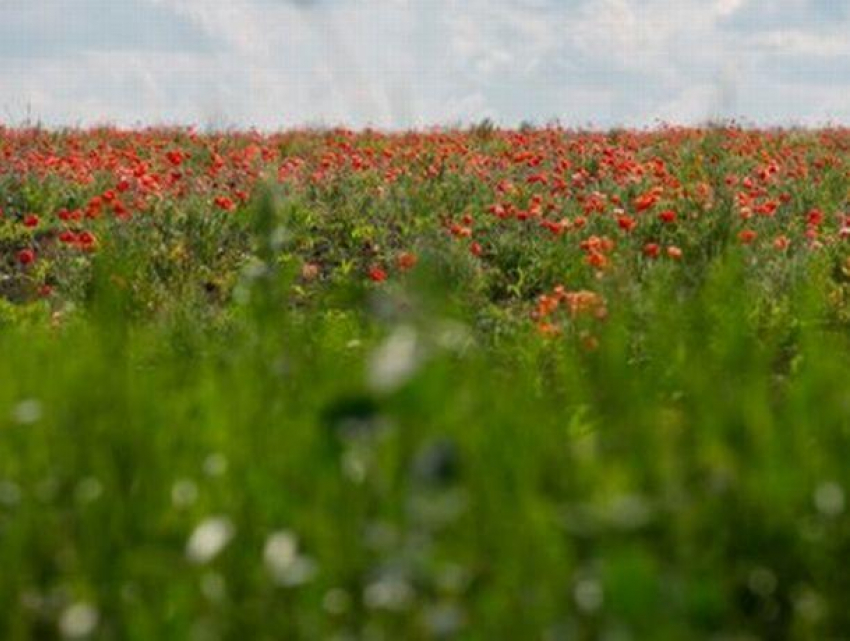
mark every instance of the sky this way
{"type": "Point", "coordinates": [273, 64]}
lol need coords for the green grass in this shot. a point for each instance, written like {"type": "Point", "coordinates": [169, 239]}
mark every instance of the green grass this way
{"type": "Point", "coordinates": [446, 471]}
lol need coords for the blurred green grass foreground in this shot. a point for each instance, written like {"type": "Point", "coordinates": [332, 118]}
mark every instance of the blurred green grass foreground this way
{"type": "Point", "coordinates": [230, 447]}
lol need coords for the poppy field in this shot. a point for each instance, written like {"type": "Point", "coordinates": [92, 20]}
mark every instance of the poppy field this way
{"type": "Point", "coordinates": [456, 384]}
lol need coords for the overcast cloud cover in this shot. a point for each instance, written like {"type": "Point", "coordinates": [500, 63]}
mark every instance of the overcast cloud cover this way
{"type": "Point", "coordinates": [403, 63]}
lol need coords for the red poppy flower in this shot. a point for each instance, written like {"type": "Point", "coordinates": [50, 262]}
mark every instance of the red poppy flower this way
{"type": "Point", "coordinates": [175, 157]}
{"type": "Point", "coordinates": [626, 223]}
{"type": "Point", "coordinates": [747, 236]}
{"type": "Point", "coordinates": [460, 231]}
{"type": "Point", "coordinates": [548, 329]}
{"type": "Point", "coordinates": [224, 203]}
{"type": "Point", "coordinates": [596, 259]}
{"type": "Point", "coordinates": [26, 257]}
{"type": "Point", "coordinates": [667, 216]}
{"type": "Point", "coordinates": [646, 201]}
{"type": "Point", "coordinates": [377, 275]}
{"type": "Point", "coordinates": [651, 250]}
{"type": "Point", "coordinates": [87, 240]}
{"type": "Point", "coordinates": [406, 260]}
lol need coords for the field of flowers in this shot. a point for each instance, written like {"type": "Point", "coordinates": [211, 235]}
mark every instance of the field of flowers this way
{"type": "Point", "coordinates": [479, 384]}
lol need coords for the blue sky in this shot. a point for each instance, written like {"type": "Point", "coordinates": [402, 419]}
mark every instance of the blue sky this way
{"type": "Point", "coordinates": [403, 63]}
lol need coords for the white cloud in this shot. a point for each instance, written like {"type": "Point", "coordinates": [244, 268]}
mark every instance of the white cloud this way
{"type": "Point", "coordinates": [238, 24]}
{"type": "Point", "coordinates": [420, 62]}
{"type": "Point", "coordinates": [725, 8]}
{"type": "Point", "coordinates": [799, 42]}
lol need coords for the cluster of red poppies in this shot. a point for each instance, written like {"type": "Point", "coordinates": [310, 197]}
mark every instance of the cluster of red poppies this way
{"type": "Point", "coordinates": [606, 197]}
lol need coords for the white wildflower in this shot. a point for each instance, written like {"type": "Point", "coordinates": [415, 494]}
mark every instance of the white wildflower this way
{"type": "Point", "coordinates": [215, 465]}
{"type": "Point", "coordinates": [209, 538]}
{"type": "Point", "coordinates": [284, 562]}
{"type": "Point", "coordinates": [78, 620]}
{"type": "Point", "coordinates": [388, 593]}
{"type": "Point", "coordinates": [27, 412]}
{"type": "Point", "coordinates": [394, 362]}
{"type": "Point", "coordinates": [184, 492]}
{"type": "Point", "coordinates": [588, 595]}
{"type": "Point", "coordinates": [829, 499]}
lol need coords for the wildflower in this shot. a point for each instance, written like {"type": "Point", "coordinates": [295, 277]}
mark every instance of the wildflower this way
{"type": "Point", "coordinates": [209, 538]}
{"type": "Point", "coordinates": [646, 201]}
{"type": "Point", "coordinates": [283, 561]}
{"type": "Point", "coordinates": [406, 260]}
{"type": "Point", "coordinates": [377, 275]}
{"type": "Point", "coordinates": [585, 302]}
{"type": "Point", "coordinates": [26, 257]}
{"type": "Point", "coordinates": [27, 412]}
{"type": "Point", "coordinates": [175, 157]}
{"type": "Point", "coordinates": [224, 203]}
{"type": "Point", "coordinates": [601, 244]}
{"type": "Point", "coordinates": [829, 499]}
{"type": "Point", "coordinates": [768, 208]}
{"type": "Point", "coordinates": [548, 329]}
{"type": "Point", "coordinates": [389, 593]}
{"type": "Point", "coordinates": [31, 221]}
{"type": "Point", "coordinates": [674, 252]}
{"type": "Point", "coordinates": [310, 271]}
{"type": "Point", "coordinates": [667, 216]}
{"type": "Point", "coordinates": [475, 249]}
{"type": "Point", "coordinates": [78, 620]}
{"type": "Point", "coordinates": [596, 259]}
{"type": "Point", "coordinates": [651, 250]}
{"type": "Point", "coordinates": [215, 465]}
{"type": "Point", "coordinates": [86, 240]}
{"type": "Point", "coordinates": [557, 228]}
{"type": "Point", "coordinates": [395, 360]}
{"type": "Point", "coordinates": [498, 210]}
{"type": "Point", "coordinates": [626, 223]}
{"type": "Point", "coordinates": [588, 595]}
{"type": "Point", "coordinates": [747, 236]}
{"type": "Point", "coordinates": [781, 243]}
{"type": "Point", "coordinates": [120, 209]}
{"type": "Point", "coordinates": [460, 231]}
{"type": "Point", "coordinates": [546, 305]}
